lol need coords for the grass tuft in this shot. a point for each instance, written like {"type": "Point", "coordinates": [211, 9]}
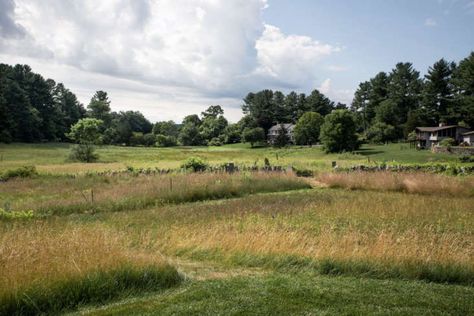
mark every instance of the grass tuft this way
{"type": "Point", "coordinates": [96, 287]}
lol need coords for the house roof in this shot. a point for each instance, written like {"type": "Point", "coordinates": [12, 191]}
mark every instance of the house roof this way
{"type": "Point", "coordinates": [436, 128]}
{"type": "Point", "coordinates": [468, 133]}
{"type": "Point", "coordinates": [277, 127]}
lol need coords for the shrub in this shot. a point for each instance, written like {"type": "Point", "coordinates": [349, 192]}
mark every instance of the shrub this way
{"type": "Point", "coordinates": [380, 133]}
{"type": "Point", "coordinates": [149, 139]}
{"type": "Point", "coordinates": [215, 142]}
{"type": "Point", "coordinates": [253, 135]}
{"type": "Point", "coordinates": [165, 141]}
{"type": "Point", "coordinates": [447, 142]}
{"type": "Point", "coordinates": [303, 172]}
{"type": "Point", "coordinates": [466, 158]}
{"type": "Point", "coordinates": [11, 215]}
{"type": "Point", "coordinates": [22, 172]}
{"type": "Point", "coordinates": [195, 164]}
{"type": "Point", "coordinates": [83, 153]}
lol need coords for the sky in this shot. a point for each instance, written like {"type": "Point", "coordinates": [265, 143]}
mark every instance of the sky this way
{"type": "Point", "coordinates": [171, 58]}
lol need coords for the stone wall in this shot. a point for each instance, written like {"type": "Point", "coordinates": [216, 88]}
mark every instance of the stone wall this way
{"type": "Point", "coordinates": [454, 150]}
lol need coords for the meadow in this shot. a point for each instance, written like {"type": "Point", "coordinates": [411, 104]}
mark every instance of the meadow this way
{"type": "Point", "coordinates": [244, 243]}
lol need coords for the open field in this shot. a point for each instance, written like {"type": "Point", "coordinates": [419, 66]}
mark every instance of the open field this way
{"type": "Point", "coordinates": [52, 158]}
{"type": "Point", "coordinates": [214, 243]}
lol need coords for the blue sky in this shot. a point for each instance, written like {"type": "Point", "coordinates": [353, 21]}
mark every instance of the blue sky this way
{"type": "Point", "coordinates": [171, 58]}
{"type": "Point", "coordinates": [375, 35]}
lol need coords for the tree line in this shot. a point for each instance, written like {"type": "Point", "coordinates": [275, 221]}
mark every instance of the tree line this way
{"type": "Point", "coordinates": [385, 108]}
{"type": "Point", "coordinates": [389, 106]}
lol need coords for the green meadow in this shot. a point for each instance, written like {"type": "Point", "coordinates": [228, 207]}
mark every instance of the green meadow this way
{"type": "Point", "coordinates": [73, 241]}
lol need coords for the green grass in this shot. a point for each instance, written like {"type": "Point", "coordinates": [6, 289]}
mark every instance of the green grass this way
{"type": "Point", "coordinates": [243, 244]}
{"type": "Point", "coordinates": [300, 294]}
{"type": "Point", "coordinates": [94, 288]}
{"type": "Point", "coordinates": [52, 158]}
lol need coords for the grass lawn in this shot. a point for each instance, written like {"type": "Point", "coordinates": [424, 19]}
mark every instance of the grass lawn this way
{"type": "Point", "coordinates": [52, 158]}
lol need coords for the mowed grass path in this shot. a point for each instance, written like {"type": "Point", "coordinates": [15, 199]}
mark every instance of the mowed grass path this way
{"type": "Point", "coordinates": [52, 158]}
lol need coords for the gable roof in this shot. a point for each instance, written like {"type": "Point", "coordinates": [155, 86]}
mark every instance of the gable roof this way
{"type": "Point", "coordinates": [286, 126]}
{"type": "Point", "coordinates": [436, 128]}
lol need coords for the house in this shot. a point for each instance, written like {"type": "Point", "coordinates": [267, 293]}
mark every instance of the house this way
{"type": "Point", "coordinates": [468, 138]}
{"type": "Point", "coordinates": [428, 137]}
{"type": "Point", "coordinates": [275, 130]}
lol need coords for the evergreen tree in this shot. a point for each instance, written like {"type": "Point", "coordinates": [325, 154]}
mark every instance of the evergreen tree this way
{"type": "Point", "coordinates": [438, 96]}
{"type": "Point", "coordinates": [463, 81]}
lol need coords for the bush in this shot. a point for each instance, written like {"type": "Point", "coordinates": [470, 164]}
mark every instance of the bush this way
{"type": "Point", "coordinates": [149, 140]}
{"type": "Point", "coordinates": [303, 172]}
{"type": "Point", "coordinates": [165, 141]}
{"type": "Point", "coordinates": [22, 172]}
{"type": "Point", "coordinates": [253, 135]}
{"type": "Point", "coordinates": [215, 142]}
{"type": "Point", "coordinates": [83, 153]}
{"type": "Point", "coordinates": [447, 142]}
{"type": "Point", "coordinates": [137, 139]}
{"type": "Point", "coordinates": [466, 158]}
{"type": "Point", "coordinates": [380, 133]}
{"type": "Point", "coordinates": [195, 164]}
{"type": "Point", "coordinates": [12, 215]}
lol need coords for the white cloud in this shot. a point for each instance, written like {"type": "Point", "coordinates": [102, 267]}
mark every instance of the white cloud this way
{"type": "Point", "coordinates": [181, 51]}
{"type": "Point", "coordinates": [338, 95]}
{"type": "Point", "coordinates": [289, 58]}
{"type": "Point", "coordinates": [430, 22]}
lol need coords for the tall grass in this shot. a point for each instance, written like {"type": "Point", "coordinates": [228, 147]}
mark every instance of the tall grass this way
{"type": "Point", "coordinates": [356, 233]}
{"type": "Point", "coordinates": [420, 183]}
{"type": "Point", "coordinates": [65, 195]}
{"type": "Point", "coordinates": [46, 267]}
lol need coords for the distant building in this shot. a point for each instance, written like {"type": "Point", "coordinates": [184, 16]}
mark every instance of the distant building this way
{"type": "Point", "coordinates": [428, 137]}
{"type": "Point", "coordinates": [275, 130]}
{"type": "Point", "coordinates": [469, 138]}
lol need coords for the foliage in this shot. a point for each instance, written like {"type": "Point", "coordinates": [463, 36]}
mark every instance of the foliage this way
{"type": "Point", "coordinates": [282, 139]}
{"type": "Point", "coordinates": [22, 172]}
{"type": "Point", "coordinates": [33, 109]}
{"type": "Point", "coordinates": [253, 135]}
{"type": "Point", "coordinates": [306, 131]}
{"type": "Point", "coordinates": [338, 132]}
{"type": "Point", "coordinates": [83, 153]}
{"type": "Point", "coordinates": [447, 142]}
{"type": "Point", "coordinates": [380, 133]}
{"type": "Point", "coordinates": [195, 164]}
{"type": "Point", "coordinates": [165, 141]}
{"type": "Point", "coordinates": [216, 141]}
{"type": "Point", "coordinates": [15, 215]}
{"type": "Point", "coordinates": [232, 134]}
{"type": "Point", "coordinates": [86, 131]}
{"type": "Point", "coordinates": [166, 128]}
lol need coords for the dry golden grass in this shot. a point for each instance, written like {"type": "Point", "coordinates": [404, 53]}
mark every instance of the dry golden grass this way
{"type": "Point", "coordinates": [421, 183]}
{"type": "Point", "coordinates": [61, 192]}
{"type": "Point", "coordinates": [43, 253]}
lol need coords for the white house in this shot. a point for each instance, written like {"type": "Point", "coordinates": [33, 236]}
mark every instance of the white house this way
{"type": "Point", "coordinates": [274, 131]}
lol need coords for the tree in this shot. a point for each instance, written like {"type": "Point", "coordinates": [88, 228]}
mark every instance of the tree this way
{"type": "Point", "coordinates": [463, 81]}
{"type": "Point", "coordinates": [438, 94]}
{"type": "Point", "coordinates": [380, 133]}
{"type": "Point", "coordinates": [318, 102]}
{"type": "Point", "coordinates": [232, 134]}
{"type": "Point", "coordinates": [282, 139]}
{"type": "Point", "coordinates": [307, 128]}
{"type": "Point", "coordinates": [291, 107]}
{"type": "Point", "coordinates": [190, 134]}
{"type": "Point", "coordinates": [86, 132]}
{"type": "Point", "coordinates": [253, 135]}
{"type": "Point", "coordinates": [165, 141]}
{"type": "Point", "coordinates": [167, 128]}
{"type": "Point", "coordinates": [404, 90]}
{"type": "Point", "coordinates": [99, 107]}
{"type": "Point", "coordinates": [213, 123]}
{"type": "Point", "coordinates": [260, 107]}
{"type": "Point", "coordinates": [338, 132]}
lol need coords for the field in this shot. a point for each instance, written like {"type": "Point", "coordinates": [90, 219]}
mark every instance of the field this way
{"type": "Point", "coordinates": [243, 243]}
